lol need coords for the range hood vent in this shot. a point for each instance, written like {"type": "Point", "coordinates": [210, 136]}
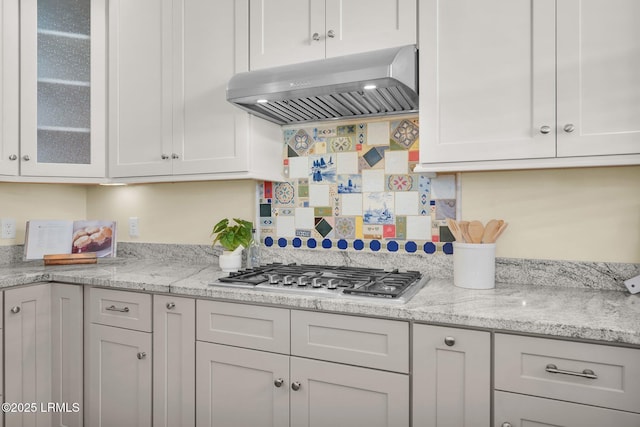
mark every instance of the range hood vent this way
{"type": "Point", "coordinates": [363, 85]}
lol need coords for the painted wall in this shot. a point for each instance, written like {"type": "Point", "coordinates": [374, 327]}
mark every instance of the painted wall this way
{"type": "Point", "coordinates": [172, 212]}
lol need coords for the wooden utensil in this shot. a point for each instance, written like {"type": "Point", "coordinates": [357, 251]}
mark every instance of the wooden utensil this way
{"type": "Point", "coordinates": [492, 239]}
{"type": "Point", "coordinates": [455, 230]}
{"type": "Point", "coordinates": [490, 230]}
{"type": "Point", "coordinates": [464, 229]}
{"type": "Point", "coordinates": [476, 230]}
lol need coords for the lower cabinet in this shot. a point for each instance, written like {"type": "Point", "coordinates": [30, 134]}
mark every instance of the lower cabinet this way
{"type": "Point", "coordinates": [451, 377]}
{"type": "Point", "coordinates": [43, 361]}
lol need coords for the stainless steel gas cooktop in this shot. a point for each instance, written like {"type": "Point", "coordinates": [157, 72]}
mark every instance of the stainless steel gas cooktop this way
{"type": "Point", "coordinates": [330, 281]}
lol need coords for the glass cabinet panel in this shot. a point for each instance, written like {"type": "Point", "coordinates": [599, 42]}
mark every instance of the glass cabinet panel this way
{"type": "Point", "coordinates": [64, 81]}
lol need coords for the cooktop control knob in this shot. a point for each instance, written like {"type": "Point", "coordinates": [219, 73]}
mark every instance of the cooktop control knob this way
{"type": "Point", "coordinates": [288, 280]}
{"type": "Point", "coordinates": [316, 282]}
{"type": "Point", "coordinates": [273, 279]}
{"type": "Point", "coordinates": [302, 281]}
{"type": "Point", "coordinates": [332, 284]}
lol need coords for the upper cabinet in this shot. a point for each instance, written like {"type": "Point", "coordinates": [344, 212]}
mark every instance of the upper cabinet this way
{"type": "Point", "coordinates": [62, 88]}
{"type": "Point", "coordinates": [9, 89]}
{"type": "Point", "coordinates": [169, 64]}
{"type": "Point", "coordinates": [510, 84]}
{"type": "Point", "coordinates": [289, 31]}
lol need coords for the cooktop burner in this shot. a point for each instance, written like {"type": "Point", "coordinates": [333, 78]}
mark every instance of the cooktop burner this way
{"type": "Point", "coordinates": [329, 280]}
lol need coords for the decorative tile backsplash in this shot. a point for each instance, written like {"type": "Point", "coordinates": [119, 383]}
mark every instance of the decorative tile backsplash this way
{"type": "Point", "coordinates": [352, 186]}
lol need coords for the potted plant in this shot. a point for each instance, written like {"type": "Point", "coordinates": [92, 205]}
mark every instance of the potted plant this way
{"type": "Point", "coordinates": [233, 238]}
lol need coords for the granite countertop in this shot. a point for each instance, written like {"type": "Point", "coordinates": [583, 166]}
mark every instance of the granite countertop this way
{"type": "Point", "coordinates": [593, 314]}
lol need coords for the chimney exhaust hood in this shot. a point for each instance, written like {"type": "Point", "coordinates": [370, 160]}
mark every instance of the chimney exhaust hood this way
{"type": "Point", "coordinates": [362, 85]}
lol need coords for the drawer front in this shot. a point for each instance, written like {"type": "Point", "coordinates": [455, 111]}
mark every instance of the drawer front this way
{"type": "Point", "coordinates": [130, 310]}
{"type": "Point", "coordinates": [243, 325]}
{"type": "Point", "coordinates": [579, 372]}
{"type": "Point", "coordinates": [523, 411]}
{"type": "Point", "coordinates": [373, 343]}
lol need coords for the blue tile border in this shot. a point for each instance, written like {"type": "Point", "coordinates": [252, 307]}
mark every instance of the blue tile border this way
{"type": "Point", "coordinates": [391, 246]}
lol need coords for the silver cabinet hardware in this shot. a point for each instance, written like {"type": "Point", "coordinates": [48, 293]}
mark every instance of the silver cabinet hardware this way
{"type": "Point", "coordinates": [295, 386]}
{"type": "Point", "coordinates": [164, 156]}
{"type": "Point", "coordinates": [315, 37]}
{"type": "Point", "coordinates": [15, 310]}
{"type": "Point", "coordinates": [142, 355]}
{"type": "Point", "coordinates": [171, 305]}
{"type": "Point", "coordinates": [175, 156]}
{"type": "Point", "coordinates": [506, 425]}
{"type": "Point", "coordinates": [587, 373]}
{"type": "Point", "coordinates": [450, 341]}
{"type": "Point", "coordinates": [331, 34]}
{"type": "Point", "coordinates": [26, 158]}
{"type": "Point", "coordinates": [568, 128]}
{"type": "Point", "coordinates": [13, 157]}
{"type": "Point", "coordinates": [114, 308]}
{"type": "Point", "coordinates": [278, 382]}
{"type": "Point", "coordinates": [545, 129]}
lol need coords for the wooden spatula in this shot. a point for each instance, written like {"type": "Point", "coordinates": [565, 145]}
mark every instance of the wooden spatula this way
{"type": "Point", "coordinates": [455, 230]}
{"type": "Point", "coordinates": [476, 230]}
{"type": "Point", "coordinates": [490, 230]}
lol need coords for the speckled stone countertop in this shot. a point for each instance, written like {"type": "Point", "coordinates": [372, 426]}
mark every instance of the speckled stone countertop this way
{"type": "Point", "coordinates": [562, 311]}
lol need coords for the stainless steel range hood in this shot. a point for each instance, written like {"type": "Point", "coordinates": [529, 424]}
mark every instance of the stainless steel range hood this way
{"type": "Point", "coordinates": [362, 85]}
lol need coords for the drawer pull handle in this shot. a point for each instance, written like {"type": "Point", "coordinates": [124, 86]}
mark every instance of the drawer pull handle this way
{"type": "Point", "coordinates": [171, 305]}
{"type": "Point", "coordinates": [141, 355]}
{"type": "Point", "coordinates": [278, 383]}
{"type": "Point", "coordinates": [450, 341]}
{"type": "Point", "coordinates": [120, 310]}
{"type": "Point", "coordinates": [295, 386]}
{"type": "Point", "coordinates": [587, 373]}
{"type": "Point", "coordinates": [15, 310]}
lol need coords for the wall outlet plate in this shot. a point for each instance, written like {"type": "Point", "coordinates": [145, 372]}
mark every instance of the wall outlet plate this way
{"type": "Point", "coordinates": [134, 227]}
{"type": "Point", "coordinates": [7, 228]}
{"type": "Point", "coordinates": [633, 284]}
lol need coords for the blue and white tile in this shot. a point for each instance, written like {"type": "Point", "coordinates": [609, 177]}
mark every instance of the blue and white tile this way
{"type": "Point", "coordinates": [378, 208]}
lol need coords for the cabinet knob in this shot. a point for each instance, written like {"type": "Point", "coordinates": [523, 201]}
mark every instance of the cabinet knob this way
{"type": "Point", "coordinates": [331, 34]}
{"type": "Point", "coordinates": [164, 156]}
{"type": "Point", "coordinates": [278, 382]}
{"type": "Point", "coordinates": [15, 310]}
{"type": "Point", "coordinates": [315, 37]}
{"type": "Point", "coordinates": [171, 305]}
{"type": "Point", "coordinates": [26, 158]}
{"type": "Point", "coordinates": [295, 386]}
{"type": "Point", "coordinates": [175, 156]}
{"type": "Point", "coordinates": [13, 157]}
{"type": "Point", "coordinates": [142, 355]}
{"type": "Point", "coordinates": [545, 129]}
{"type": "Point", "coordinates": [568, 128]}
{"type": "Point", "coordinates": [506, 425]}
{"type": "Point", "coordinates": [450, 341]}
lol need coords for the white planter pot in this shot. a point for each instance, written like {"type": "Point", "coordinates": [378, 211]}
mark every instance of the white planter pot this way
{"type": "Point", "coordinates": [230, 262]}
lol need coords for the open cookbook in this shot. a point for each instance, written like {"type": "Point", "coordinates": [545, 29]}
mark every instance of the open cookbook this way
{"type": "Point", "coordinates": [69, 237]}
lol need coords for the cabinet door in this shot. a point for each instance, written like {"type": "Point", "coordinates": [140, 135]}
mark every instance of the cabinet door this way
{"type": "Point", "coordinates": [211, 45]}
{"type": "Point", "coordinates": [451, 377]}
{"type": "Point", "coordinates": [362, 25]}
{"type": "Point", "coordinates": [62, 88]}
{"type": "Point", "coordinates": [487, 79]}
{"type": "Point", "coordinates": [518, 410]}
{"type": "Point", "coordinates": [27, 323]}
{"type": "Point", "coordinates": [598, 77]}
{"type": "Point", "coordinates": [174, 358]}
{"type": "Point", "coordinates": [282, 32]}
{"type": "Point", "coordinates": [241, 387]}
{"type": "Point", "coordinates": [67, 355]}
{"type": "Point", "coordinates": [118, 377]}
{"type": "Point", "coordinates": [140, 101]}
{"type": "Point", "coordinates": [9, 90]}
{"type": "Point", "coordinates": [336, 395]}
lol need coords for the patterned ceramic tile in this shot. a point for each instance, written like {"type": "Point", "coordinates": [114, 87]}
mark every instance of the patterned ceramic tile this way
{"type": "Point", "coordinates": [322, 168]}
{"type": "Point", "coordinates": [350, 183]}
{"type": "Point", "coordinates": [345, 228]}
{"type": "Point", "coordinates": [284, 193]}
{"type": "Point", "coordinates": [378, 208]}
{"type": "Point", "coordinates": [340, 144]}
{"type": "Point", "coordinates": [400, 182]}
{"type": "Point", "coordinates": [300, 142]}
{"type": "Point", "coordinates": [323, 227]}
{"type": "Point", "coordinates": [405, 134]}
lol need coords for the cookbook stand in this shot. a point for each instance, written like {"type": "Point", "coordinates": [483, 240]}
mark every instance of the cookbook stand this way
{"type": "Point", "coordinates": [68, 259]}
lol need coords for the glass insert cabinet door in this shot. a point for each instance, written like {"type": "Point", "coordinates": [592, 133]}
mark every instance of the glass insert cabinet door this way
{"type": "Point", "coordinates": [62, 88]}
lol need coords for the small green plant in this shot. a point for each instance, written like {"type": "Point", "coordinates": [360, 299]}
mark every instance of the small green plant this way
{"type": "Point", "coordinates": [232, 236]}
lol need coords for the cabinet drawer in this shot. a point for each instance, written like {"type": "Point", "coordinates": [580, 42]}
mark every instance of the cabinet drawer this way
{"type": "Point", "coordinates": [373, 343]}
{"type": "Point", "coordinates": [130, 310]}
{"type": "Point", "coordinates": [579, 372]}
{"type": "Point", "coordinates": [243, 325]}
{"type": "Point", "coordinates": [521, 411]}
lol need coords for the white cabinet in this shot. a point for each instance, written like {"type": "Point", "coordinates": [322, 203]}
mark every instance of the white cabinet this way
{"type": "Point", "coordinates": [451, 377]}
{"type": "Point", "coordinates": [118, 368]}
{"type": "Point", "coordinates": [9, 89]}
{"type": "Point", "coordinates": [62, 88]}
{"type": "Point", "coordinates": [169, 63]}
{"type": "Point", "coordinates": [43, 355]}
{"type": "Point", "coordinates": [174, 373]}
{"type": "Point", "coordinates": [310, 380]}
{"type": "Point", "coordinates": [289, 31]}
{"type": "Point", "coordinates": [561, 90]}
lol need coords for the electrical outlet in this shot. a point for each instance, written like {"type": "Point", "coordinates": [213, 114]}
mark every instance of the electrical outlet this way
{"type": "Point", "coordinates": [8, 226]}
{"type": "Point", "coordinates": [134, 229]}
{"type": "Point", "coordinates": [633, 284]}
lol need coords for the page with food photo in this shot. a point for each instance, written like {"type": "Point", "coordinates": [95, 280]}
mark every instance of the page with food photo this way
{"type": "Point", "coordinates": [94, 236]}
